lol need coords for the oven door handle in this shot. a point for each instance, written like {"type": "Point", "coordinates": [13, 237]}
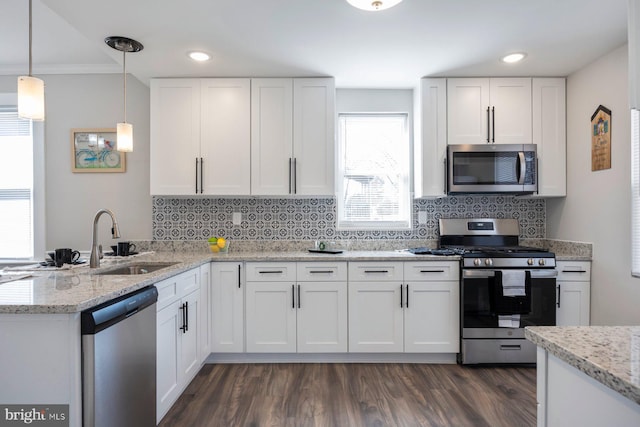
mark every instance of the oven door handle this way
{"type": "Point", "coordinates": [535, 274]}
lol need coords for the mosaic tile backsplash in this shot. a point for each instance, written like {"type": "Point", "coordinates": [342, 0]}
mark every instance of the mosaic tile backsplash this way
{"type": "Point", "coordinates": [315, 218]}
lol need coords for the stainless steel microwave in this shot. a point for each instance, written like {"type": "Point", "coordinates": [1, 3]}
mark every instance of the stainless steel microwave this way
{"type": "Point", "coordinates": [492, 168]}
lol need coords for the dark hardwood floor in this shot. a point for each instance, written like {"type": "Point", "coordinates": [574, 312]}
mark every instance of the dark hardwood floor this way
{"type": "Point", "coordinates": [357, 395]}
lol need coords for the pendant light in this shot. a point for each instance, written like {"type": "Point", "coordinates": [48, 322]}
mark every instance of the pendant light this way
{"type": "Point", "coordinates": [30, 89]}
{"type": "Point", "coordinates": [124, 129]}
{"type": "Point", "coordinates": [373, 5]}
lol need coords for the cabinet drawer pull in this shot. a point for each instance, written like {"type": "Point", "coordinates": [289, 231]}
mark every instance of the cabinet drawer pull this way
{"type": "Point", "coordinates": [431, 271]}
{"type": "Point", "coordinates": [376, 271]}
{"type": "Point", "coordinates": [321, 271]}
{"type": "Point", "coordinates": [574, 271]}
{"type": "Point", "coordinates": [510, 347]}
{"type": "Point", "coordinates": [271, 272]}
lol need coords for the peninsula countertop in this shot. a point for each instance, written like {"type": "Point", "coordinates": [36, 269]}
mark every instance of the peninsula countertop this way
{"type": "Point", "coordinates": [608, 354]}
{"type": "Point", "coordinates": [76, 289]}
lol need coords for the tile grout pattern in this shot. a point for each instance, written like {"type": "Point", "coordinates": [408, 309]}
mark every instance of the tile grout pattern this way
{"type": "Point", "coordinates": [314, 218]}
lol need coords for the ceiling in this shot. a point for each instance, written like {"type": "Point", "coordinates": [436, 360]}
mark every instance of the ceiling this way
{"type": "Point", "coordinates": [257, 38]}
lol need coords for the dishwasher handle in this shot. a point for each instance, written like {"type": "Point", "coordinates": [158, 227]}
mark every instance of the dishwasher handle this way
{"type": "Point", "coordinates": [101, 317]}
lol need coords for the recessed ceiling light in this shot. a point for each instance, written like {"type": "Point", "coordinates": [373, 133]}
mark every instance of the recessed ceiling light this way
{"type": "Point", "coordinates": [373, 5]}
{"type": "Point", "coordinates": [514, 57]}
{"type": "Point", "coordinates": [199, 56]}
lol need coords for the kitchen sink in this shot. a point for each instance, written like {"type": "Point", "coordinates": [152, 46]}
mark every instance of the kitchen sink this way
{"type": "Point", "coordinates": [137, 268]}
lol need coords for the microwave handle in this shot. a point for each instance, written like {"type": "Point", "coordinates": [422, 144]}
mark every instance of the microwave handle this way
{"type": "Point", "coordinates": [523, 168]}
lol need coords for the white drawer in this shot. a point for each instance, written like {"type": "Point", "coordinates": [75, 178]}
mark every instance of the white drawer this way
{"type": "Point", "coordinates": [574, 271]}
{"type": "Point", "coordinates": [271, 271]}
{"type": "Point", "coordinates": [322, 271]}
{"type": "Point", "coordinates": [168, 292]}
{"type": "Point", "coordinates": [375, 271]}
{"type": "Point", "coordinates": [431, 271]}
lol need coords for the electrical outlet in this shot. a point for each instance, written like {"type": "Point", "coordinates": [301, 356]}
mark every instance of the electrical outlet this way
{"type": "Point", "coordinates": [237, 218]}
{"type": "Point", "coordinates": [422, 217]}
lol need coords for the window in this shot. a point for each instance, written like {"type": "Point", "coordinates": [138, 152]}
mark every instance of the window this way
{"type": "Point", "coordinates": [635, 193]}
{"type": "Point", "coordinates": [16, 185]}
{"type": "Point", "coordinates": [373, 172]}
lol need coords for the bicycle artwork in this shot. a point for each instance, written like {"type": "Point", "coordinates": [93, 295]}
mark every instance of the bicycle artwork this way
{"type": "Point", "coordinates": [95, 150]}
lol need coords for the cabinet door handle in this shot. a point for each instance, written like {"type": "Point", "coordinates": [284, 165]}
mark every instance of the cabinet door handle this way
{"type": "Point", "coordinates": [239, 281]}
{"type": "Point", "coordinates": [201, 175]}
{"type": "Point", "coordinates": [558, 303]}
{"type": "Point", "coordinates": [183, 328]}
{"type": "Point", "coordinates": [401, 299]}
{"type": "Point", "coordinates": [295, 176]}
{"type": "Point", "coordinates": [293, 296]}
{"type": "Point", "coordinates": [407, 300]}
{"type": "Point", "coordinates": [488, 125]}
{"type": "Point", "coordinates": [299, 303]}
{"type": "Point", "coordinates": [376, 271]}
{"type": "Point", "coordinates": [290, 163]}
{"type": "Point", "coordinates": [431, 271]}
{"type": "Point", "coordinates": [196, 175]}
{"type": "Point", "coordinates": [493, 124]}
{"type": "Point", "coordinates": [186, 316]}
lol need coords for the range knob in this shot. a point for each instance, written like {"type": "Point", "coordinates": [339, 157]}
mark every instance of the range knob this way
{"type": "Point", "coordinates": [541, 261]}
{"type": "Point", "coordinates": [530, 261]}
{"type": "Point", "coordinates": [476, 262]}
{"type": "Point", "coordinates": [488, 262]}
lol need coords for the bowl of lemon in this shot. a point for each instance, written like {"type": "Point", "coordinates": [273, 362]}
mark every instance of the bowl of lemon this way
{"type": "Point", "coordinates": [218, 245]}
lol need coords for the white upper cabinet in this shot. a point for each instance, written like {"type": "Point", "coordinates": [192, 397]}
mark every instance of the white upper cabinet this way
{"type": "Point", "coordinates": [430, 147]}
{"type": "Point", "coordinates": [225, 136]}
{"type": "Point", "coordinates": [550, 135]}
{"type": "Point", "coordinates": [489, 110]}
{"type": "Point", "coordinates": [271, 136]}
{"type": "Point", "coordinates": [314, 136]}
{"type": "Point", "coordinates": [200, 136]}
{"type": "Point", "coordinates": [292, 136]}
{"type": "Point", "coordinates": [175, 136]}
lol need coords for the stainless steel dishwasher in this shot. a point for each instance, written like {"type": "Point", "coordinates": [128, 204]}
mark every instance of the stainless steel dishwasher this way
{"type": "Point", "coordinates": [119, 361]}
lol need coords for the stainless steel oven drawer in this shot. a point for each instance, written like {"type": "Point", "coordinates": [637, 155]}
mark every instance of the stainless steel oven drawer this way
{"type": "Point", "coordinates": [498, 351]}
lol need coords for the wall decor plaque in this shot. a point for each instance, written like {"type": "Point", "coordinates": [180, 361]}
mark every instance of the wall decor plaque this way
{"type": "Point", "coordinates": [601, 139]}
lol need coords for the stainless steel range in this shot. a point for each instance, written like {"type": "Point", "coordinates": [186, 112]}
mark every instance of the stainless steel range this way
{"type": "Point", "coordinates": [503, 288]}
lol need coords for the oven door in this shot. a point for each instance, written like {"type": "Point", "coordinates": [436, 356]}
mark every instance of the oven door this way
{"type": "Point", "coordinates": [480, 312]}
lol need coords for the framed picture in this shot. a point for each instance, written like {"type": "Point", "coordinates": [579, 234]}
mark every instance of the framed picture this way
{"type": "Point", "coordinates": [601, 139]}
{"type": "Point", "coordinates": [95, 150]}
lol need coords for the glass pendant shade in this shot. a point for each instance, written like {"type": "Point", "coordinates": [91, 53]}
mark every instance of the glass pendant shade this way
{"type": "Point", "coordinates": [125, 137]}
{"type": "Point", "coordinates": [30, 98]}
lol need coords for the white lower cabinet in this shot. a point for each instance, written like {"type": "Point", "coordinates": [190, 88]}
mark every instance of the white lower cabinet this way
{"type": "Point", "coordinates": [574, 293]}
{"type": "Point", "coordinates": [404, 307]}
{"type": "Point", "coordinates": [227, 307]}
{"type": "Point", "coordinates": [285, 314]}
{"type": "Point", "coordinates": [177, 356]}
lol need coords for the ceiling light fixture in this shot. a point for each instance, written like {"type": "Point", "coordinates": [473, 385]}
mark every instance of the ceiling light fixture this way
{"type": "Point", "coordinates": [124, 130]}
{"type": "Point", "coordinates": [199, 56]}
{"type": "Point", "coordinates": [513, 57]}
{"type": "Point", "coordinates": [30, 89]}
{"type": "Point", "coordinates": [373, 5]}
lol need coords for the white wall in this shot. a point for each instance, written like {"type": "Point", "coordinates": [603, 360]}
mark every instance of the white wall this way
{"type": "Point", "coordinates": [72, 199]}
{"type": "Point", "coordinates": [597, 206]}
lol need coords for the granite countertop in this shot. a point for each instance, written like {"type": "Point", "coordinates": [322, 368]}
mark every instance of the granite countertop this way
{"type": "Point", "coordinates": [76, 289]}
{"type": "Point", "coordinates": [608, 354]}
